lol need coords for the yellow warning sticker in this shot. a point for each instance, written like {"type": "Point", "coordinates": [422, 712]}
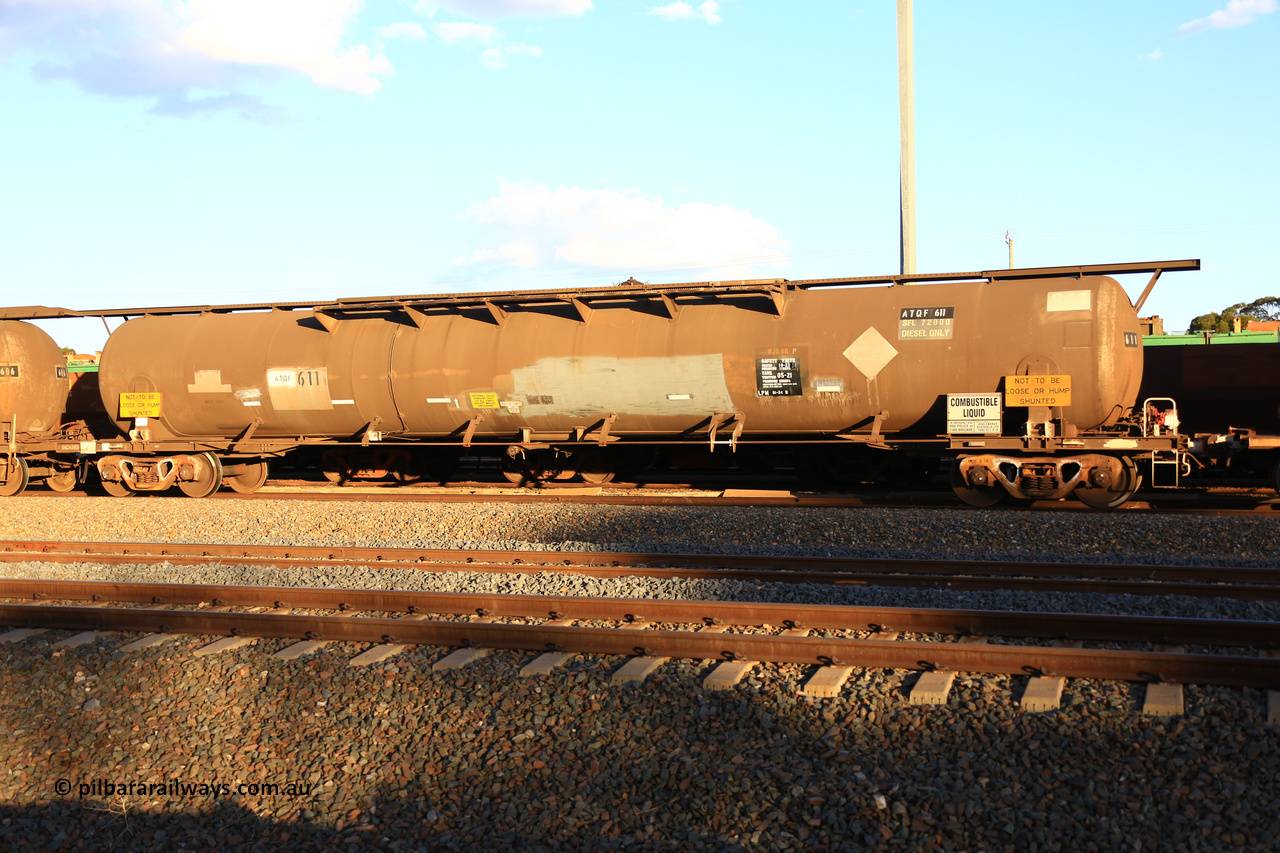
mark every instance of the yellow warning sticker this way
{"type": "Point", "coordinates": [140, 404]}
{"type": "Point", "coordinates": [1047, 390]}
{"type": "Point", "coordinates": [484, 400]}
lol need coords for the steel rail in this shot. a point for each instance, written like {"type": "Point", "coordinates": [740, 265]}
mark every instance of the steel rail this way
{"type": "Point", "coordinates": [1081, 626]}
{"type": "Point", "coordinates": [910, 580]}
{"type": "Point", "coordinates": [1010, 659]}
{"type": "Point", "coordinates": [585, 494]}
{"type": "Point", "coordinates": [1143, 505]}
{"type": "Point", "coordinates": [470, 558]}
{"type": "Point", "coordinates": [1244, 583]}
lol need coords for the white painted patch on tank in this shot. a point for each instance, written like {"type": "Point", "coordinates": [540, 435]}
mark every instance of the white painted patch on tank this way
{"type": "Point", "coordinates": [208, 382]}
{"type": "Point", "coordinates": [1069, 300]}
{"type": "Point", "coordinates": [599, 385]}
{"type": "Point", "coordinates": [870, 353]}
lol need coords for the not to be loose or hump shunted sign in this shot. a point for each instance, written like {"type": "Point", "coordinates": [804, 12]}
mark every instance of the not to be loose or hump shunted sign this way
{"type": "Point", "coordinates": [973, 414]}
{"type": "Point", "coordinates": [141, 404]}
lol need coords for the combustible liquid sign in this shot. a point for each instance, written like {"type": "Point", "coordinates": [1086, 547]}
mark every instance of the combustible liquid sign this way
{"type": "Point", "coordinates": [973, 414]}
{"type": "Point", "coordinates": [1048, 390]}
{"type": "Point", "coordinates": [140, 404]}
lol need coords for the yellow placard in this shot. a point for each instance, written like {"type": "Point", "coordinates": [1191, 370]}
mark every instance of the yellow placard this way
{"type": "Point", "coordinates": [140, 404]}
{"type": "Point", "coordinates": [484, 400]}
{"type": "Point", "coordinates": [1047, 390]}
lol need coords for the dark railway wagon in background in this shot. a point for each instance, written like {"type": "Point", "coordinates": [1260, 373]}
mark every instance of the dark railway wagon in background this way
{"type": "Point", "coordinates": [1227, 388]}
{"type": "Point", "coordinates": [1027, 379]}
{"type": "Point", "coordinates": [1221, 381]}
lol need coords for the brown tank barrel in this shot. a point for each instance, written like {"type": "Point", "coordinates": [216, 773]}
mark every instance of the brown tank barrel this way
{"type": "Point", "coordinates": [33, 378]}
{"type": "Point", "coordinates": [831, 362]}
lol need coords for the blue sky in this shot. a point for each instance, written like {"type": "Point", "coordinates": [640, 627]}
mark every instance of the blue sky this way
{"type": "Point", "coordinates": [222, 151]}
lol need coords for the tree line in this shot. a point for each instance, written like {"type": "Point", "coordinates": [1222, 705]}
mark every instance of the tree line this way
{"type": "Point", "coordinates": [1266, 308]}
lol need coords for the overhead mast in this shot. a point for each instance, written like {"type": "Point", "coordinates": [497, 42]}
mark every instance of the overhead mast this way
{"type": "Point", "coordinates": [907, 122]}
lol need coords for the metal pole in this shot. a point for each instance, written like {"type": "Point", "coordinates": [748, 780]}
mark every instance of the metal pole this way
{"type": "Point", "coordinates": [907, 121]}
{"type": "Point", "coordinates": [1009, 240]}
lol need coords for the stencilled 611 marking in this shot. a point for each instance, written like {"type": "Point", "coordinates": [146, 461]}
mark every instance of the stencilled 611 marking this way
{"type": "Point", "coordinates": [288, 377]}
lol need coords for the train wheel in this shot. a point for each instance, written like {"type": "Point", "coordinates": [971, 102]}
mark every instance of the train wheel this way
{"type": "Point", "coordinates": [16, 476]}
{"type": "Point", "coordinates": [250, 477]}
{"type": "Point", "coordinates": [529, 468]}
{"type": "Point", "coordinates": [406, 467]}
{"type": "Point", "coordinates": [515, 469]}
{"type": "Point", "coordinates": [63, 481]}
{"type": "Point", "coordinates": [117, 489]}
{"type": "Point", "coordinates": [335, 468]}
{"type": "Point", "coordinates": [1117, 494]}
{"type": "Point", "coordinates": [975, 495]}
{"type": "Point", "coordinates": [208, 478]}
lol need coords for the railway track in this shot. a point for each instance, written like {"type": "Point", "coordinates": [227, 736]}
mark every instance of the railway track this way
{"type": "Point", "coordinates": [1232, 502]}
{"type": "Point", "coordinates": [1258, 584]}
{"type": "Point", "coordinates": [734, 633]}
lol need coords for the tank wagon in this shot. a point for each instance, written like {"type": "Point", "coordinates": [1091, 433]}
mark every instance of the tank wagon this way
{"type": "Point", "coordinates": [1025, 379]}
{"type": "Point", "coordinates": [33, 397]}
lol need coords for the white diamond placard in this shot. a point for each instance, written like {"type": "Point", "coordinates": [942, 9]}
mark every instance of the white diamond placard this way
{"type": "Point", "coordinates": [870, 353]}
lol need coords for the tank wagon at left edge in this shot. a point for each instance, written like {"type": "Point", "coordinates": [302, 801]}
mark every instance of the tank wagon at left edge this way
{"type": "Point", "coordinates": [33, 398]}
{"type": "Point", "coordinates": [1026, 381]}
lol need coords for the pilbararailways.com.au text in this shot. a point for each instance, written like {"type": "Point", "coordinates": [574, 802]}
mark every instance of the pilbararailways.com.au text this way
{"type": "Point", "coordinates": [176, 788]}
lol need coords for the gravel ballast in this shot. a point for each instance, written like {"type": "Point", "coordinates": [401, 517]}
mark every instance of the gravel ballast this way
{"type": "Point", "coordinates": [398, 756]}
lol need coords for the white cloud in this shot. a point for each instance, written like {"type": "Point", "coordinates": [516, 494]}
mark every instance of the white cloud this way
{"type": "Point", "coordinates": [414, 32]}
{"type": "Point", "coordinates": [708, 11]}
{"type": "Point", "coordinates": [507, 8]}
{"type": "Point", "coordinates": [678, 11]}
{"type": "Point", "coordinates": [1236, 14]}
{"type": "Point", "coordinates": [494, 58]}
{"type": "Point", "coordinates": [523, 50]}
{"type": "Point", "coordinates": [170, 49]}
{"type": "Point", "coordinates": [461, 32]}
{"type": "Point", "coordinates": [1153, 56]}
{"type": "Point", "coordinates": [304, 35]}
{"type": "Point", "coordinates": [537, 226]}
